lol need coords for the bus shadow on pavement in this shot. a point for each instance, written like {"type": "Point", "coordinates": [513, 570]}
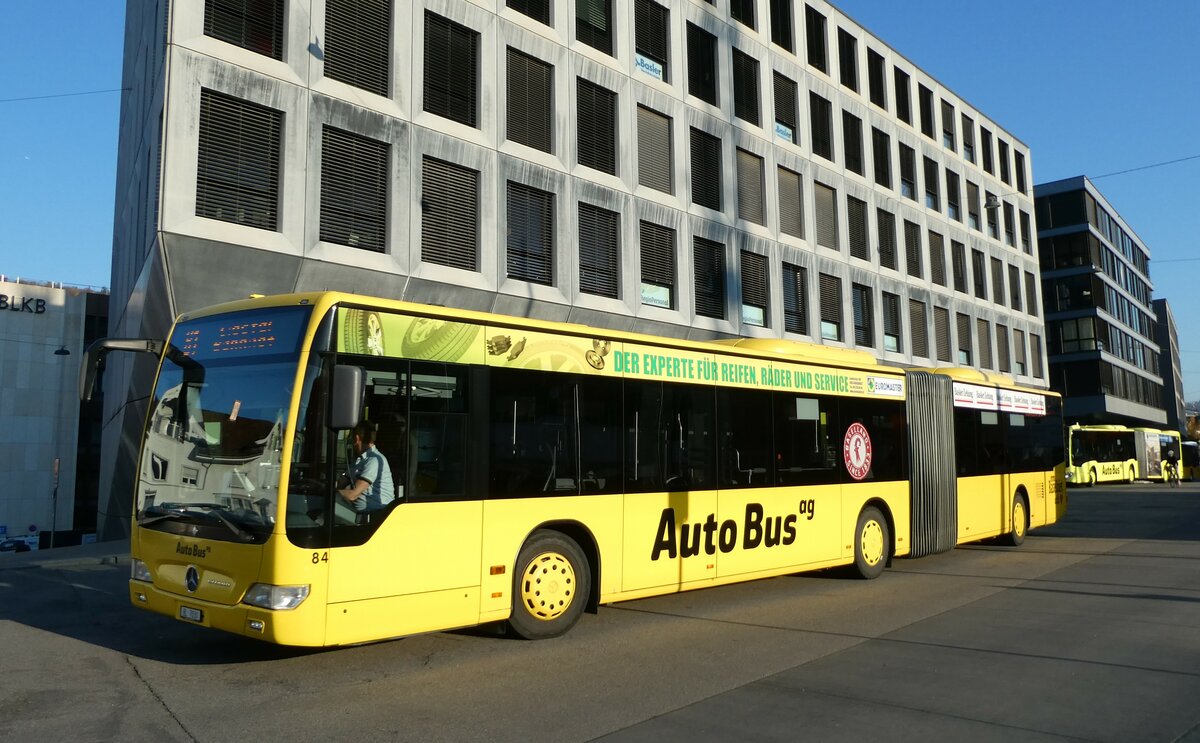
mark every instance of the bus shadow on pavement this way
{"type": "Point", "coordinates": [1140, 511]}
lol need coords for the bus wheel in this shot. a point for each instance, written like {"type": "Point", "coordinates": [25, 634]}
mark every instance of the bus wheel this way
{"type": "Point", "coordinates": [550, 586]}
{"type": "Point", "coordinates": [1131, 477]}
{"type": "Point", "coordinates": [1091, 481]}
{"type": "Point", "coordinates": [1020, 522]}
{"type": "Point", "coordinates": [871, 543]}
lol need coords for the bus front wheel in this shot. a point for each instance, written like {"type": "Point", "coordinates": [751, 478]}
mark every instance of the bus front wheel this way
{"type": "Point", "coordinates": [551, 585]}
{"type": "Point", "coordinates": [1020, 522]}
{"type": "Point", "coordinates": [871, 543]}
{"type": "Point", "coordinates": [1091, 480]}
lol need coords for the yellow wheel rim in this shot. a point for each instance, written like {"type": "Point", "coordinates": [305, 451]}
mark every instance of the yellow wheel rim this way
{"type": "Point", "coordinates": [548, 586]}
{"type": "Point", "coordinates": [871, 542]}
{"type": "Point", "coordinates": [1019, 518]}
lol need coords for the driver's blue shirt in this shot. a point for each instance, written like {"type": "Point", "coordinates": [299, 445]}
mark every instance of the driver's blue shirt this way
{"type": "Point", "coordinates": [373, 467]}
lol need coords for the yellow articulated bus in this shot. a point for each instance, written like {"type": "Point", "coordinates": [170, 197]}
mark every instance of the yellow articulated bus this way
{"type": "Point", "coordinates": [1189, 455]}
{"type": "Point", "coordinates": [1102, 453]}
{"type": "Point", "coordinates": [527, 471]}
{"type": "Point", "coordinates": [1155, 449]}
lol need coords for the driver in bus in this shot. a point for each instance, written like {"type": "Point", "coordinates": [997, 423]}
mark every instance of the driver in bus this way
{"type": "Point", "coordinates": [370, 476]}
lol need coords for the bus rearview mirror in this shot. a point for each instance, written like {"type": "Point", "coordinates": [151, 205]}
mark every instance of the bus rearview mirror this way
{"type": "Point", "coordinates": [347, 396]}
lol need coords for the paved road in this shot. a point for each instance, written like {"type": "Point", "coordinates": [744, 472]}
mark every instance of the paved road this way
{"type": "Point", "coordinates": [1091, 631]}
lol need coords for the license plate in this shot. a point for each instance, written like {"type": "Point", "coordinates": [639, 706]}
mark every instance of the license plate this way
{"type": "Point", "coordinates": [193, 615]}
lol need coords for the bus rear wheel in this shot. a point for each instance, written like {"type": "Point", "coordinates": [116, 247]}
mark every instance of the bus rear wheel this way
{"type": "Point", "coordinates": [1091, 479]}
{"type": "Point", "coordinates": [871, 543]}
{"type": "Point", "coordinates": [551, 585]}
{"type": "Point", "coordinates": [1132, 476]}
{"type": "Point", "coordinates": [1020, 522]}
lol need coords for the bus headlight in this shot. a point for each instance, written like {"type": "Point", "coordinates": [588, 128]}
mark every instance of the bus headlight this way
{"type": "Point", "coordinates": [279, 598]}
{"type": "Point", "coordinates": [139, 571]}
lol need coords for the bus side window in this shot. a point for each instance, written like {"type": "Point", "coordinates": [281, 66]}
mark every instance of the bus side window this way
{"type": "Point", "coordinates": [599, 435]}
{"type": "Point", "coordinates": [533, 448]}
{"type": "Point", "coordinates": [437, 459]}
{"type": "Point", "coordinates": [805, 451]}
{"type": "Point", "coordinates": [745, 443]}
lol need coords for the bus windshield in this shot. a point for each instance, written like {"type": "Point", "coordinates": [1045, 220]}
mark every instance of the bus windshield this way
{"type": "Point", "coordinates": [211, 453]}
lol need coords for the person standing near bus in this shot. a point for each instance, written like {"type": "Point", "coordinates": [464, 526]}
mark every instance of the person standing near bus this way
{"type": "Point", "coordinates": [371, 485]}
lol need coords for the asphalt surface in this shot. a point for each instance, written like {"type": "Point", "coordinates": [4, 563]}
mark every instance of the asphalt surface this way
{"type": "Point", "coordinates": [1090, 631]}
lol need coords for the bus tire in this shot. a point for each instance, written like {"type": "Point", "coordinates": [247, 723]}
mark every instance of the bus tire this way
{"type": "Point", "coordinates": [551, 584]}
{"type": "Point", "coordinates": [1020, 522]}
{"type": "Point", "coordinates": [1091, 479]}
{"type": "Point", "coordinates": [871, 543]}
{"type": "Point", "coordinates": [1132, 477]}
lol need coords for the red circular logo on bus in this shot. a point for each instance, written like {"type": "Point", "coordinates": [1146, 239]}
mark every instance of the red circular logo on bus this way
{"type": "Point", "coordinates": [856, 451]}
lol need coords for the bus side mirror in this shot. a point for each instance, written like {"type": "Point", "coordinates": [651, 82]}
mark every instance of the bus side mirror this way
{"type": "Point", "coordinates": [101, 348]}
{"type": "Point", "coordinates": [347, 397]}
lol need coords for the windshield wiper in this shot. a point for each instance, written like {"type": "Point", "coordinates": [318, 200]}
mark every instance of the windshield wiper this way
{"type": "Point", "coordinates": [177, 510]}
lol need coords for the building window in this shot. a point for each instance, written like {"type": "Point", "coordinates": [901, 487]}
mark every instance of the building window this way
{"type": "Point", "coordinates": [706, 169]}
{"type": "Point", "coordinates": [992, 216]}
{"type": "Point", "coordinates": [985, 143]}
{"type": "Point", "coordinates": [1019, 351]}
{"type": "Point", "coordinates": [912, 248]}
{"type": "Point", "coordinates": [958, 262]}
{"type": "Point", "coordinates": [825, 199]}
{"type": "Point", "coordinates": [354, 187]}
{"type": "Point", "coordinates": [599, 248]}
{"type": "Point", "coordinates": [708, 257]}
{"type": "Point", "coordinates": [973, 206]}
{"type": "Point", "coordinates": [530, 113]}
{"type": "Point", "coordinates": [821, 115]}
{"type": "Point", "coordinates": [658, 265]}
{"type": "Point", "coordinates": [530, 234]}
{"type": "Point", "coordinates": [1035, 349]}
{"type": "Point", "coordinates": [451, 70]}
{"type": "Point", "coordinates": [1002, 348]}
{"type": "Point", "coordinates": [891, 322]}
{"type": "Point", "coordinates": [1014, 288]}
{"type": "Point", "coordinates": [654, 150]}
{"type": "Point", "coordinates": [856, 222]}
{"type": "Point", "coordinates": [791, 203]}
{"type": "Point", "coordinates": [876, 81]}
{"type": "Point", "coordinates": [918, 330]}
{"type": "Point", "coordinates": [742, 11]}
{"type": "Point", "coordinates": [852, 142]}
{"type": "Point", "coordinates": [1031, 303]}
{"type": "Point", "coordinates": [538, 10]}
{"type": "Point", "coordinates": [237, 175]}
{"type": "Point", "coordinates": [745, 87]}
{"type": "Point", "coordinates": [864, 316]}
{"type": "Point", "coordinates": [750, 187]}
{"type": "Point", "coordinates": [814, 27]}
{"type": "Point", "coordinates": [941, 333]}
{"type": "Point", "coordinates": [908, 172]}
{"type": "Point", "coordinates": [998, 281]}
{"type": "Point", "coordinates": [885, 223]}
{"type": "Point", "coordinates": [1026, 236]}
{"type": "Point", "coordinates": [925, 100]}
{"type": "Point", "coordinates": [795, 299]}
{"type": "Point", "coordinates": [979, 273]}
{"type": "Point", "coordinates": [953, 209]}
{"type": "Point", "coordinates": [948, 126]}
{"type": "Point", "coordinates": [848, 59]}
{"type": "Point", "coordinates": [1005, 175]}
{"type": "Point", "coordinates": [357, 44]}
{"type": "Point", "coordinates": [983, 335]}
{"type": "Point", "coordinates": [786, 118]}
{"type": "Point", "coordinates": [596, 134]}
{"type": "Point", "coordinates": [781, 24]}
{"type": "Point", "coordinates": [1009, 228]}
{"type": "Point", "coordinates": [449, 214]}
{"type": "Point", "coordinates": [881, 149]}
{"type": "Point", "coordinates": [932, 197]}
{"type": "Point", "coordinates": [964, 339]}
{"type": "Point", "coordinates": [1020, 171]}
{"type": "Point", "coordinates": [937, 258]}
{"type": "Point", "coordinates": [755, 289]}
{"type": "Point", "coordinates": [903, 104]}
{"type": "Point", "coordinates": [968, 138]}
{"type": "Point", "coordinates": [702, 64]}
{"type": "Point", "coordinates": [652, 42]}
{"type": "Point", "coordinates": [256, 25]}
{"type": "Point", "coordinates": [593, 24]}
{"type": "Point", "coordinates": [831, 307]}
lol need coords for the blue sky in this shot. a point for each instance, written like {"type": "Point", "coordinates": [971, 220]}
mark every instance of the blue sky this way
{"type": "Point", "coordinates": [1091, 86]}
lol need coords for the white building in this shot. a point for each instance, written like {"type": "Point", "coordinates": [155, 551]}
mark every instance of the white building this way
{"type": "Point", "coordinates": [751, 167]}
{"type": "Point", "coordinates": [43, 331]}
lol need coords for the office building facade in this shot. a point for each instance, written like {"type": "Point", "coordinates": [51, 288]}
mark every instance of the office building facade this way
{"type": "Point", "coordinates": [1100, 320]}
{"type": "Point", "coordinates": [746, 167]}
{"type": "Point", "coordinates": [1170, 365]}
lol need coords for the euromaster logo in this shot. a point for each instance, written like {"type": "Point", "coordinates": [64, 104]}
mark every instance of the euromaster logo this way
{"type": "Point", "coordinates": [885, 386]}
